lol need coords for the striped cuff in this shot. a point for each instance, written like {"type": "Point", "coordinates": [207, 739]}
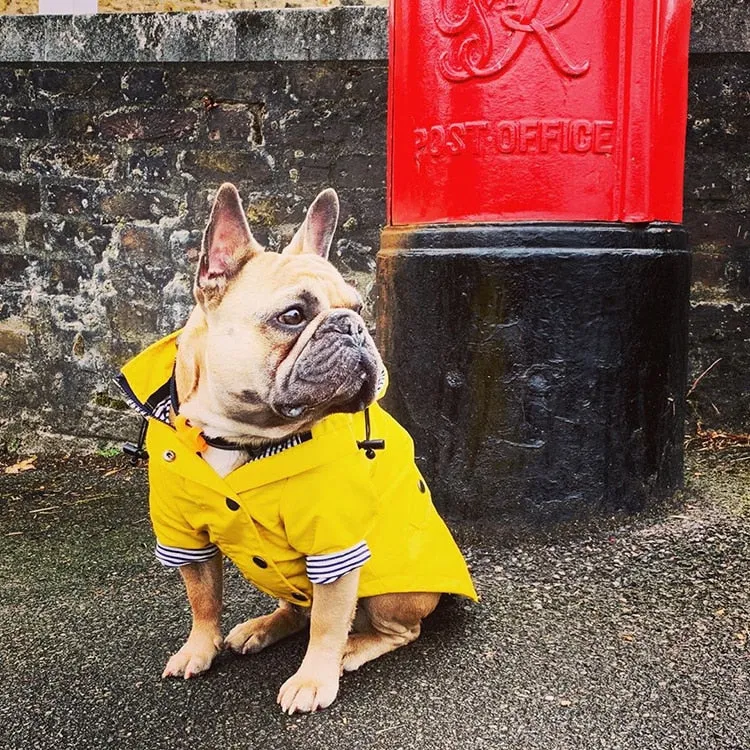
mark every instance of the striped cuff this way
{"type": "Point", "coordinates": [175, 557]}
{"type": "Point", "coordinates": [329, 568]}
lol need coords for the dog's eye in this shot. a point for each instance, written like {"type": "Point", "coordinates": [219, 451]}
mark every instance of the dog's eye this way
{"type": "Point", "coordinates": [292, 317]}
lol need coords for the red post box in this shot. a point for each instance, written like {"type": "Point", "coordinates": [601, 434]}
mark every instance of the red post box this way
{"type": "Point", "coordinates": [533, 276]}
{"type": "Point", "coordinates": [537, 110]}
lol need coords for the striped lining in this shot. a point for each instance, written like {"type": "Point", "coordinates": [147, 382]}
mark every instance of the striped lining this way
{"type": "Point", "coordinates": [175, 557]}
{"type": "Point", "coordinates": [381, 380]}
{"type": "Point", "coordinates": [329, 568]}
{"type": "Point", "coordinates": [273, 449]}
{"type": "Point", "coordinates": [130, 398]}
{"type": "Point", "coordinates": [161, 410]}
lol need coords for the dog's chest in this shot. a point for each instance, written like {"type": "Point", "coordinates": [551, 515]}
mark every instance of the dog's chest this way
{"type": "Point", "coordinates": [224, 461]}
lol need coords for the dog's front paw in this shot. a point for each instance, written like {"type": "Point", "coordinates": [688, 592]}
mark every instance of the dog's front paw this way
{"type": "Point", "coordinates": [309, 689]}
{"type": "Point", "coordinates": [254, 635]}
{"type": "Point", "coordinates": [194, 657]}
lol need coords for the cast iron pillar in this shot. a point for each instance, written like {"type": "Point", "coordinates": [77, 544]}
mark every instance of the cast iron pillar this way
{"type": "Point", "coordinates": [533, 278]}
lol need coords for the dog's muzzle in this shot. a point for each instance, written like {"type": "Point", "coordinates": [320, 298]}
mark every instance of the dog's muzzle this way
{"type": "Point", "coordinates": [337, 368]}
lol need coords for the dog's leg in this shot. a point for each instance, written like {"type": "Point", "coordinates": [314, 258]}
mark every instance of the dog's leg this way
{"type": "Point", "coordinates": [203, 583]}
{"type": "Point", "coordinates": [254, 635]}
{"type": "Point", "coordinates": [316, 683]}
{"type": "Point", "coordinates": [393, 620]}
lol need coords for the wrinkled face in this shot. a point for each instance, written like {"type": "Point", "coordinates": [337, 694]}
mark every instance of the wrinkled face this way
{"type": "Point", "coordinates": [283, 342]}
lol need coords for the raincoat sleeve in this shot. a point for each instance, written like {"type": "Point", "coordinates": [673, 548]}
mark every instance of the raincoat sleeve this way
{"type": "Point", "coordinates": [327, 517]}
{"type": "Point", "coordinates": [178, 543]}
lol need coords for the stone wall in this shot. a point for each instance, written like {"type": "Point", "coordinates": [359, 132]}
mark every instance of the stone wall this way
{"type": "Point", "coordinates": [163, 6]}
{"type": "Point", "coordinates": [106, 173]}
{"type": "Point", "coordinates": [717, 197]}
{"type": "Point", "coordinates": [114, 131]}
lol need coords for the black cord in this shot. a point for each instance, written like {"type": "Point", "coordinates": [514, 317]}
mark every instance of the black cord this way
{"type": "Point", "coordinates": [136, 451]}
{"type": "Point", "coordinates": [368, 445]}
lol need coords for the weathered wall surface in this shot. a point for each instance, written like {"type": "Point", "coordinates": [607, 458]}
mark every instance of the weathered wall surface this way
{"type": "Point", "coordinates": [164, 6]}
{"type": "Point", "coordinates": [114, 131]}
{"type": "Point", "coordinates": [717, 198]}
{"type": "Point", "coordinates": [106, 172]}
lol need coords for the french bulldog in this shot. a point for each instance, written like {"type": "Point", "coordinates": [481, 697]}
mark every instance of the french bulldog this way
{"type": "Point", "coordinates": [257, 456]}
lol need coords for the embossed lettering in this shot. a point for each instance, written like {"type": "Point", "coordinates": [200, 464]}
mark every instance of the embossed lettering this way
{"type": "Point", "coordinates": [565, 140]}
{"type": "Point", "coordinates": [476, 130]}
{"type": "Point", "coordinates": [436, 139]}
{"type": "Point", "coordinates": [527, 136]}
{"type": "Point", "coordinates": [456, 133]}
{"type": "Point", "coordinates": [580, 131]}
{"type": "Point", "coordinates": [603, 137]}
{"type": "Point", "coordinates": [506, 137]}
{"type": "Point", "coordinates": [550, 132]}
{"type": "Point", "coordinates": [524, 136]}
{"type": "Point", "coordinates": [487, 35]}
{"type": "Point", "coordinates": [420, 141]}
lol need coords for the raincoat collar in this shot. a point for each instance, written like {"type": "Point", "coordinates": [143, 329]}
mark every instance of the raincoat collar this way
{"type": "Point", "coordinates": [147, 379]}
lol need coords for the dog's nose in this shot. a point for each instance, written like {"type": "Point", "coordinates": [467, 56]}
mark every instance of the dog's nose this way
{"type": "Point", "coordinates": [346, 323]}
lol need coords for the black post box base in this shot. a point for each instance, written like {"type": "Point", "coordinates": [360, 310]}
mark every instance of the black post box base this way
{"type": "Point", "coordinates": [540, 368]}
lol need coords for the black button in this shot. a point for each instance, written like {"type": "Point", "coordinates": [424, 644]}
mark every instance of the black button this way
{"type": "Point", "coordinates": [299, 597]}
{"type": "Point", "coordinates": [232, 504]}
{"type": "Point", "coordinates": [260, 562]}
{"type": "Point", "coordinates": [422, 486]}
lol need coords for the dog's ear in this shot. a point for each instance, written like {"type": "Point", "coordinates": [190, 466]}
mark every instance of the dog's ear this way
{"type": "Point", "coordinates": [227, 245]}
{"type": "Point", "coordinates": [316, 232]}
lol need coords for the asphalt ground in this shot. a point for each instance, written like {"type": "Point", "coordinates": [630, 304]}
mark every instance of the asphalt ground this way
{"type": "Point", "coordinates": [630, 633]}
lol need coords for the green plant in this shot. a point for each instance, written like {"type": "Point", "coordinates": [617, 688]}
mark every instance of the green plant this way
{"type": "Point", "coordinates": [109, 452]}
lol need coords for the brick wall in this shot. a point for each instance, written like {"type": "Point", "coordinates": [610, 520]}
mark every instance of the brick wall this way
{"type": "Point", "coordinates": [106, 175]}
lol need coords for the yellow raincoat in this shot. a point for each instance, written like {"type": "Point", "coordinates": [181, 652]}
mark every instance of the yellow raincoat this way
{"type": "Point", "coordinates": [318, 506]}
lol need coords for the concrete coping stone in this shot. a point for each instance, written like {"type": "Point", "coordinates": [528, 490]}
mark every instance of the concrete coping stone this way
{"type": "Point", "coordinates": [282, 34]}
{"type": "Point", "coordinates": [340, 33]}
